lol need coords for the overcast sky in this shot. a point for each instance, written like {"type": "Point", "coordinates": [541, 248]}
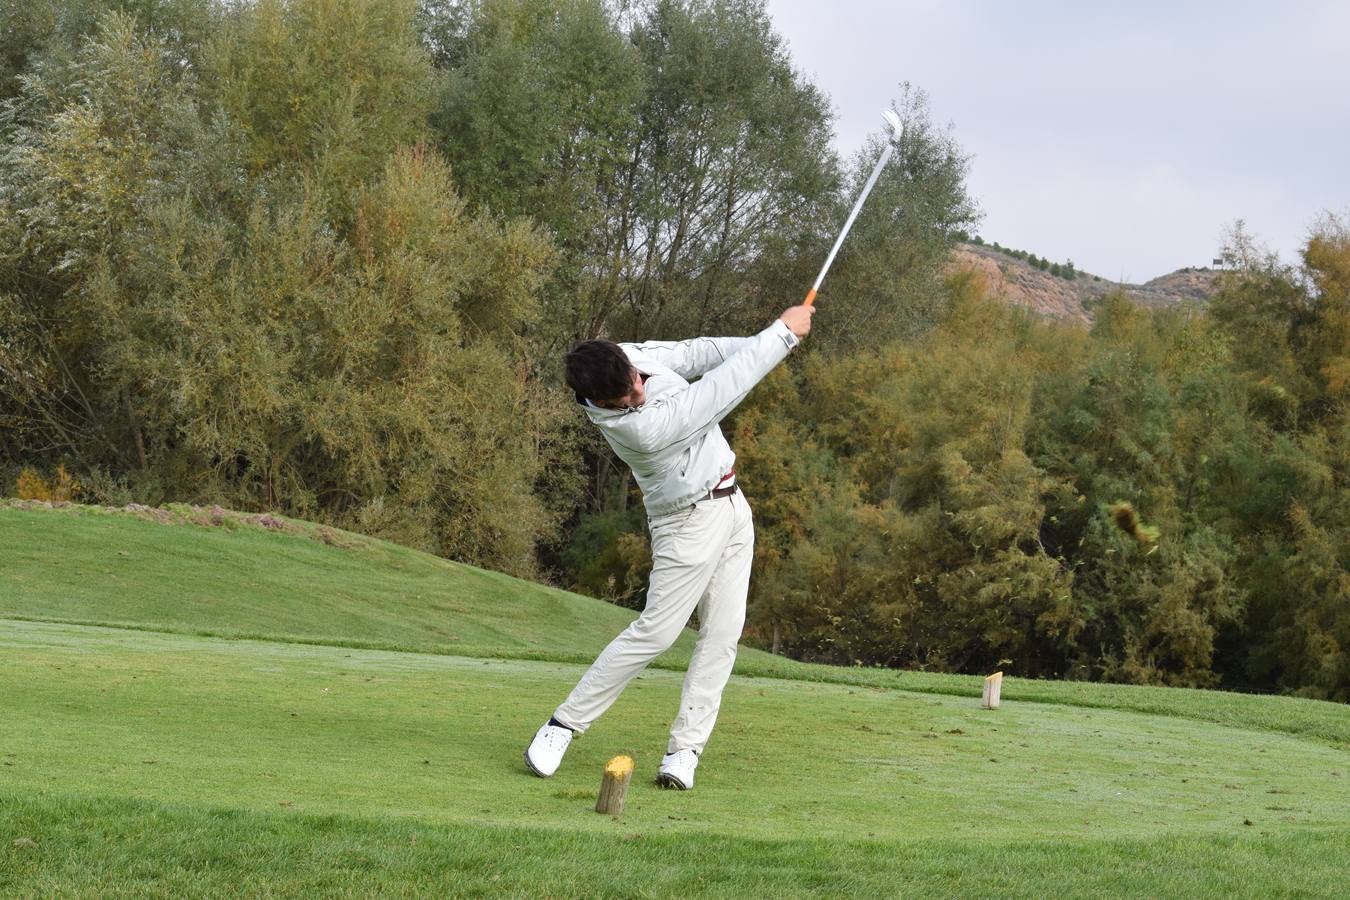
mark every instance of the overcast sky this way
{"type": "Point", "coordinates": [1125, 136]}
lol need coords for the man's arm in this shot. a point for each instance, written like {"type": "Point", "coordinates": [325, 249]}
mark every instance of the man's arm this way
{"type": "Point", "coordinates": [694, 357]}
{"type": "Point", "coordinates": [676, 418]}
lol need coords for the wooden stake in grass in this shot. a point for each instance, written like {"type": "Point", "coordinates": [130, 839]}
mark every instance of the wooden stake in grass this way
{"type": "Point", "coordinates": [614, 786]}
{"type": "Point", "coordinates": [992, 685]}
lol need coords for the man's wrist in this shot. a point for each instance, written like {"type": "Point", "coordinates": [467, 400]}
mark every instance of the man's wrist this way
{"type": "Point", "coordinates": [785, 333]}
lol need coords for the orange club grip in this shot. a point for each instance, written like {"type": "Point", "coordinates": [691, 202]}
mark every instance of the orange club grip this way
{"type": "Point", "coordinates": [810, 297]}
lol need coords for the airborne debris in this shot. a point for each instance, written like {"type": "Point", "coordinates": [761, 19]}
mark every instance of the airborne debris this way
{"type": "Point", "coordinates": [1128, 521]}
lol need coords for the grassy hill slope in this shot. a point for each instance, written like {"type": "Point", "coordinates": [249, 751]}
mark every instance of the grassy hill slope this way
{"type": "Point", "coordinates": [241, 579]}
{"type": "Point", "coordinates": [163, 571]}
{"type": "Point", "coordinates": [148, 759]}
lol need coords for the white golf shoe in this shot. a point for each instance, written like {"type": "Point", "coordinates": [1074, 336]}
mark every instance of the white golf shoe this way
{"type": "Point", "coordinates": [545, 752]}
{"type": "Point", "coordinates": [677, 770]}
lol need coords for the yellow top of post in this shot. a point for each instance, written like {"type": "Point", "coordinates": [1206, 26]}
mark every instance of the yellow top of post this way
{"type": "Point", "coordinates": [619, 766]}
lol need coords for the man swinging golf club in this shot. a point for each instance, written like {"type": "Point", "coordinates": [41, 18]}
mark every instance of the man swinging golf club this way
{"type": "Point", "coordinates": [666, 429]}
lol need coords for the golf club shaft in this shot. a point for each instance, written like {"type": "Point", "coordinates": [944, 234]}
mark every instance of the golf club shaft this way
{"type": "Point", "coordinates": [867, 189]}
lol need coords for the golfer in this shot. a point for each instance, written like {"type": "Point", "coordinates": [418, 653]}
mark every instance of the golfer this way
{"type": "Point", "coordinates": [666, 429]}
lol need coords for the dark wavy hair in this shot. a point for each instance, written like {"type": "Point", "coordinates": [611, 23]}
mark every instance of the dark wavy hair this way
{"type": "Point", "coordinates": [598, 371]}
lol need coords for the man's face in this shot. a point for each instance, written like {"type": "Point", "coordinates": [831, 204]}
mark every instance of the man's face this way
{"type": "Point", "coordinates": [636, 396]}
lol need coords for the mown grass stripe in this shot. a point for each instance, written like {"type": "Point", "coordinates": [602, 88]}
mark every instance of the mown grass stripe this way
{"type": "Point", "coordinates": [79, 846]}
{"type": "Point", "coordinates": [1323, 721]}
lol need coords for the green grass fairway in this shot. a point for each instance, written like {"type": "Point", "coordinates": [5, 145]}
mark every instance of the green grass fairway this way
{"type": "Point", "coordinates": [170, 755]}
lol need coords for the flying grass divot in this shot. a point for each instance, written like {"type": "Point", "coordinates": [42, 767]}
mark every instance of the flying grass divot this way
{"type": "Point", "coordinates": [992, 685]}
{"type": "Point", "coordinates": [1128, 521]}
{"type": "Point", "coordinates": [614, 785]}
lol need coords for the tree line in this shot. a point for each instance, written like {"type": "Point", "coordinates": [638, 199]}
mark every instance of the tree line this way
{"type": "Point", "coordinates": [323, 256]}
{"type": "Point", "coordinates": [1065, 270]}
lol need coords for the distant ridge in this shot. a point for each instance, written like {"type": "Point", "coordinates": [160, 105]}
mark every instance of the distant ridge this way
{"type": "Point", "coordinates": [1022, 284]}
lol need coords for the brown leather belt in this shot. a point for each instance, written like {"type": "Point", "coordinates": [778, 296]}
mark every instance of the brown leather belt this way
{"type": "Point", "coordinates": [718, 493]}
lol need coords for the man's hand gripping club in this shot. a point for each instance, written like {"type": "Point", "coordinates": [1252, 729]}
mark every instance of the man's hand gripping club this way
{"type": "Point", "coordinates": [798, 319]}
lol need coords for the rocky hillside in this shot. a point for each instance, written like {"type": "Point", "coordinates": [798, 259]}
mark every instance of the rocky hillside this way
{"type": "Point", "coordinates": [1020, 283]}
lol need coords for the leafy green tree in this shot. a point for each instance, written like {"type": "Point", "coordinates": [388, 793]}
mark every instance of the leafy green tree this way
{"type": "Point", "coordinates": [1289, 332]}
{"type": "Point", "coordinates": [124, 129]}
{"type": "Point", "coordinates": [727, 166]}
{"type": "Point", "coordinates": [331, 87]}
{"type": "Point", "coordinates": [536, 104]}
{"type": "Point", "coordinates": [287, 329]}
{"type": "Point", "coordinates": [672, 148]}
{"type": "Point", "coordinates": [666, 150]}
{"type": "Point", "coordinates": [1131, 424]}
{"type": "Point", "coordinates": [40, 39]}
{"type": "Point", "coordinates": [925, 550]}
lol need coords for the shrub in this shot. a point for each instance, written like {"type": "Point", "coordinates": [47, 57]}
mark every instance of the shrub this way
{"type": "Point", "coordinates": [62, 488]}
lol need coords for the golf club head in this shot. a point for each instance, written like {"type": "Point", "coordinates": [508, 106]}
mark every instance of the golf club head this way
{"type": "Point", "coordinates": [893, 120]}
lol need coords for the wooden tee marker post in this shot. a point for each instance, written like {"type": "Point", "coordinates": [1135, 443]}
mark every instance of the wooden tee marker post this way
{"type": "Point", "coordinates": [992, 685]}
{"type": "Point", "coordinates": [614, 785]}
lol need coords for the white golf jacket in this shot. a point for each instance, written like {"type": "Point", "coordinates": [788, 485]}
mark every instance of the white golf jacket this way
{"type": "Point", "coordinates": [672, 441]}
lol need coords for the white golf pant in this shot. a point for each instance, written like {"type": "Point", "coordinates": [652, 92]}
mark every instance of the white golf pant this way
{"type": "Point", "coordinates": [701, 560]}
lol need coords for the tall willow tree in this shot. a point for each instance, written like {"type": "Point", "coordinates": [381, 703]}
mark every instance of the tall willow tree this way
{"type": "Point", "coordinates": [669, 149]}
{"type": "Point", "coordinates": [236, 277]}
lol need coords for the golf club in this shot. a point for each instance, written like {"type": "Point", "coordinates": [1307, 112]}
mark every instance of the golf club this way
{"type": "Point", "coordinates": [897, 127]}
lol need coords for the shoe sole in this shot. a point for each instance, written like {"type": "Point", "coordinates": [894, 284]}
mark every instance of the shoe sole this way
{"type": "Point", "coordinates": [670, 782]}
{"type": "Point", "coordinates": [529, 765]}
